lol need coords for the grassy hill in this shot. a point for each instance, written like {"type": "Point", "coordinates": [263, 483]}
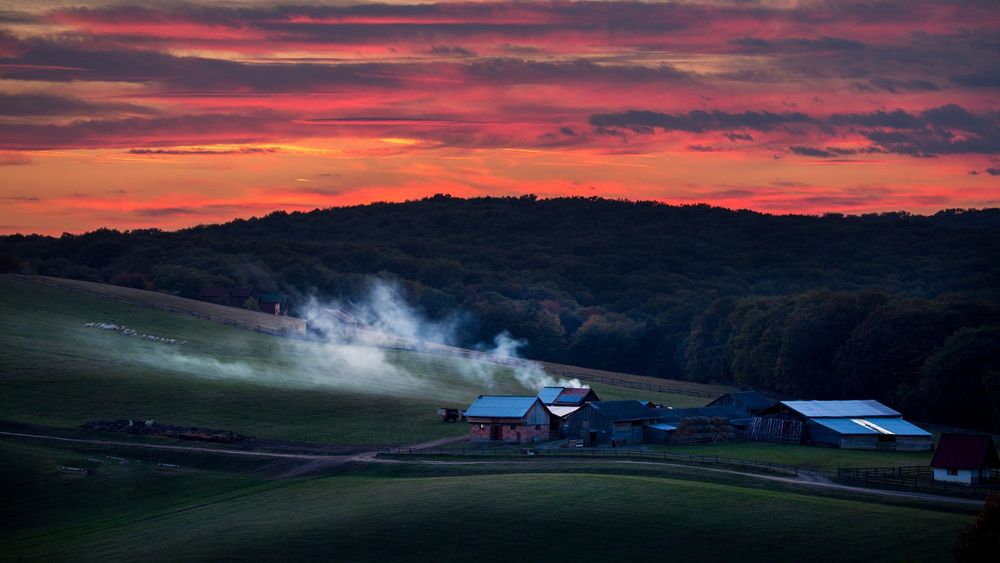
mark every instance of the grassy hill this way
{"type": "Point", "coordinates": [391, 512]}
{"type": "Point", "coordinates": [59, 372]}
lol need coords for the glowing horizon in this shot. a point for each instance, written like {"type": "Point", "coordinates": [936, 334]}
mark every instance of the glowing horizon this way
{"type": "Point", "coordinates": [126, 116]}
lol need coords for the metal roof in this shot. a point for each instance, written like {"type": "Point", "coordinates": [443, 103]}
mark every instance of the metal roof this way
{"type": "Point", "coordinates": [856, 426]}
{"type": "Point", "coordinates": [548, 394]}
{"type": "Point", "coordinates": [840, 409]}
{"type": "Point", "coordinates": [499, 406]}
{"type": "Point", "coordinates": [663, 426]}
{"type": "Point", "coordinates": [572, 395]}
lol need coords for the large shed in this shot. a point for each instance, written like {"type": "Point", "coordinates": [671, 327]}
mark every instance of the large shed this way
{"type": "Point", "coordinates": [965, 458]}
{"type": "Point", "coordinates": [507, 419]}
{"type": "Point", "coordinates": [612, 423]}
{"type": "Point", "coordinates": [855, 424]}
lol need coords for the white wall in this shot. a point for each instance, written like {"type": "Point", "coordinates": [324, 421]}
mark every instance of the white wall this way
{"type": "Point", "coordinates": [964, 476]}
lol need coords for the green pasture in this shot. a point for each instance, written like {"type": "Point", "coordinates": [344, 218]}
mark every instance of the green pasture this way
{"type": "Point", "coordinates": [141, 512]}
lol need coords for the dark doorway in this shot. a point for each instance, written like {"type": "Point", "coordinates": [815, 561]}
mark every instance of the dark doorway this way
{"type": "Point", "coordinates": [496, 432]}
{"type": "Point", "coordinates": [592, 438]}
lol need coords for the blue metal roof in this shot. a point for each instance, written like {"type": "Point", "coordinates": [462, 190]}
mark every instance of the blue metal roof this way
{"type": "Point", "coordinates": [855, 426]}
{"type": "Point", "coordinates": [495, 406]}
{"type": "Point", "coordinates": [548, 394]}
{"type": "Point", "coordinates": [840, 409]}
{"type": "Point", "coordinates": [663, 426]}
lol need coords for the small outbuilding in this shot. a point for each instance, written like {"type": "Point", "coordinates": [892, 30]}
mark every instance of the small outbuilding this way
{"type": "Point", "coordinates": [507, 419]}
{"type": "Point", "coordinates": [273, 303]}
{"type": "Point", "coordinates": [965, 458]}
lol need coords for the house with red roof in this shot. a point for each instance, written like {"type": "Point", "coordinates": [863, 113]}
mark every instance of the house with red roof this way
{"type": "Point", "coordinates": [965, 458]}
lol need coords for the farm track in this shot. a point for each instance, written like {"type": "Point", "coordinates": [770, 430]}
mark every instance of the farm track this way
{"type": "Point", "coordinates": [316, 464]}
{"type": "Point", "coordinates": [296, 328]}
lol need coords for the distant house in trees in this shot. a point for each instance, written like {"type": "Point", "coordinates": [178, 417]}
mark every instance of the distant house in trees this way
{"type": "Point", "coordinates": [273, 303]}
{"type": "Point", "coordinates": [859, 425]}
{"type": "Point", "coordinates": [965, 458]}
{"type": "Point", "coordinates": [232, 296]}
{"type": "Point", "coordinates": [507, 419]}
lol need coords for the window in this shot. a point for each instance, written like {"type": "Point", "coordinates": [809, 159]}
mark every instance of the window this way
{"type": "Point", "coordinates": [482, 426]}
{"type": "Point", "coordinates": [513, 426]}
{"type": "Point", "coordinates": [538, 427]}
{"type": "Point", "coordinates": [952, 472]}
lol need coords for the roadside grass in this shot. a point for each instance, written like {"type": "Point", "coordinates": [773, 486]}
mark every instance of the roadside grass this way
{"type": "Point", "coordinates": [386, 512]}
{"type": "Point", "coordinates": [806, 457]}
{"type": "Point", "coordinates": [59, 373]}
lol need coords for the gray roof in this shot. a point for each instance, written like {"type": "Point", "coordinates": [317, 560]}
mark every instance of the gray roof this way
{"type": "Point", "coordinates": [500, 406]}
{"type": "Point", "coordinates": [625, 410]}
{"type": "Point", "coordinates": [840, 409]}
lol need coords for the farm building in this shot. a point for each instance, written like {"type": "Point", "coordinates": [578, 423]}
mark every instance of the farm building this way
{"type": "Point", "coordinates": [861, 425]}
{"type": "Point", "coordinates": [751, 401]}
{"type": "Point", "coordinates": [567, 396]}
{"type": "Point", "coordinates": [965, 458]}
{"type": "Point", "coordinates": [274, 303]}
{"type": "Point", "coordinates": [611, 423]}
{"type": "Point", "coordinates": [506, 419]}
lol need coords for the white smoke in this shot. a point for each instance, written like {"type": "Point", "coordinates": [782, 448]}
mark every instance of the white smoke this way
{"type": "Point", "coordinates": [354, 352]}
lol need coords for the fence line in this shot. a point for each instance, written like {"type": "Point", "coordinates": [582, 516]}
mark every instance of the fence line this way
{"type": "Point", "coordinates": [915, 477]}
{"type": "Point", "coordinates": [619, 453]}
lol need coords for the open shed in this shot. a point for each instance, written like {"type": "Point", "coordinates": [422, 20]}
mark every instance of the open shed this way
{"type": "Point", "coordinates": [856, 424]}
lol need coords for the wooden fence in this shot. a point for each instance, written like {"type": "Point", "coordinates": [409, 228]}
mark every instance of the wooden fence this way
{"type": "Point", "coordinates": [744, 465]}
{"type": "Point", "coordinates": [916, 478]}
{"type": "Point", "coordinates": [157, 306]}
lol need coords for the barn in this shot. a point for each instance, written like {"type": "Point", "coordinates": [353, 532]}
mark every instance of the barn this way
{"type": "Point", "coordinates": [858, 424]}
{"type": "Point", "coordinates": [750, 401]}
{"type": "Point", "coordinates": [965, 458]}
{"type": "Point", "coordinates": [610, 423]}
{"type": "Point", "coordinates": [507, 419]}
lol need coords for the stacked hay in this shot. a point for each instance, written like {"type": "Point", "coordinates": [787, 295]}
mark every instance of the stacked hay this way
{"type": "Point", "coordinates": [705, 429]}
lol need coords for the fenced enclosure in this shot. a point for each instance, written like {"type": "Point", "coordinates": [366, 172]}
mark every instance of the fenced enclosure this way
{"type": "Point", "coordinates": [916, 478]}
{"type": "Point", "coordinates": [734, 464]}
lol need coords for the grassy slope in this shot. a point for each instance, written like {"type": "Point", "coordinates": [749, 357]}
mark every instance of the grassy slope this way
{"type": "Point", "coordinates": [139, 513]}
{"type": "Point", "coordinates": [57, 372]}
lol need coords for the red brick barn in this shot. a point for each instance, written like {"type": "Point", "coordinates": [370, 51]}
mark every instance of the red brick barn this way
{"type": "Point", "coordinates": [505, 419]}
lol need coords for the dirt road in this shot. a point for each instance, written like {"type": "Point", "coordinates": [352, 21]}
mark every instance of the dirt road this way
{"type": "Point", "coordinates": [317, 463]}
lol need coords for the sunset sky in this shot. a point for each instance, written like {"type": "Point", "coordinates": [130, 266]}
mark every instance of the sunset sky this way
{"type": "Point", "coordinates": [171, 114]}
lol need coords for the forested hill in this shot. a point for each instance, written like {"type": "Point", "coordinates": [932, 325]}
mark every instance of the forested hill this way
{"type": "Point", "coordinates": [897, 307]}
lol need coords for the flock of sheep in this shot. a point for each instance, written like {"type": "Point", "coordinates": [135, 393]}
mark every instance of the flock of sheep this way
{"type": "Point", "coordinates": [132, 332]}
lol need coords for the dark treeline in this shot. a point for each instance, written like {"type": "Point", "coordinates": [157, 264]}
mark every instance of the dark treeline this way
{"type": "Point", "coordinates": [901, 308]}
